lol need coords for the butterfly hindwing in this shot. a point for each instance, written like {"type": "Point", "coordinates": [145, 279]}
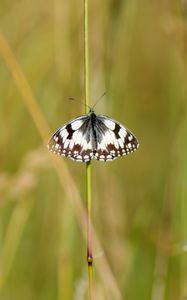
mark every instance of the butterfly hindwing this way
{"type": "Point", "coordinates": [114, 140]}
{"type": "Point", "coordinates": [73, 140]}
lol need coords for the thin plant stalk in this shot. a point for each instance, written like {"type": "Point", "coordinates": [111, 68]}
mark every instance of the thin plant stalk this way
{"type": "Point", "coordinates": [88, 164]}
{"type": "Point", "coordinates": [89, 229]}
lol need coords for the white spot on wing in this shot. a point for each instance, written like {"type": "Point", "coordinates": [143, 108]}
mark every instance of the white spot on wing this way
{"type": "Point", "coordinates": [89, 145]}
{"type": "Point", "coordinates": [66, 144]}
{"type": "Point", "coordinates": [120, 143]}
{"type": "Point", "coordinates": [101, 145]}
{"type": "Point", "coordinates": [122, 133]}
{"type": "Point", "coordinates": [112, 137]}
{"type": "Point", "coordinates": [108, 136]}
{"type": "Point", "coordinates": [77, 136]}
{"type": "Point", "coordinates": [116, 144]}
{"type": "Point", "coordinates": [84, 144]}
{"type": "Point", "coordinates": [76, 124]}
{"type": "Point", "coordinates": [110, 124]}
{"type": "Point", "coordinates": [64, 134]}
{"type": "Point", "coordinates": [71, 144]}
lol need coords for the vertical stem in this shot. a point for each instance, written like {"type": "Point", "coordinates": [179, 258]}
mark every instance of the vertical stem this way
{"type": "Point", "coordinates": [88, 165]}
{"type": "Point", "coordinates": [89, 229]}
{"type": "Point", "coordinates": [86, 57]}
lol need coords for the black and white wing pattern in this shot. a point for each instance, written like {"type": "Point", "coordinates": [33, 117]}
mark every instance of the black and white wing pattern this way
{"type": "Point", "coordinates": [73, 140]}
{"type": "Point", "coordinates": [93, 136]}
{"type": "Point", "coordinates": [113, 139]}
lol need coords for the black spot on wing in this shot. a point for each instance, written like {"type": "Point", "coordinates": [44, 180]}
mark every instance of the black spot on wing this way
{"type": "Point", "coordinates": [116, 130]}
{"type": "Point", "coordinates": [70, 131]}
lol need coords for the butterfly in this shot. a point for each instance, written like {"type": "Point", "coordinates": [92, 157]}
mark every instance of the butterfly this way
{"type": "Point", "coordinates": [93, 136]}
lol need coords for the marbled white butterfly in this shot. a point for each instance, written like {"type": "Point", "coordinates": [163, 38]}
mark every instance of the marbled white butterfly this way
{"type": "Point", "coordinates": [93, 136]}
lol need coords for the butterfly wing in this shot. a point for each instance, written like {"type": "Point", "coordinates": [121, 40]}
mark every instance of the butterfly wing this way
{"type": "Point", "coordinates": [73, 140]}
{"type": "Point", "coordinates": [113, 139]}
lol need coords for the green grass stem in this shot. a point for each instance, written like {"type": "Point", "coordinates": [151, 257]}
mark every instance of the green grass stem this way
{"type": "Point", "coordinates": [88, 165]}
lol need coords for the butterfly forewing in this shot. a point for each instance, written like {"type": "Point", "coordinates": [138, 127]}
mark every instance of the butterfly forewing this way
{"type": "Point", "coordinates": [73, 140]}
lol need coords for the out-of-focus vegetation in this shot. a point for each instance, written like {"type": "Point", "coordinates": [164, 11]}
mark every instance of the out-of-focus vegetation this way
{"type": "Point", "coordinates": [138, 56]}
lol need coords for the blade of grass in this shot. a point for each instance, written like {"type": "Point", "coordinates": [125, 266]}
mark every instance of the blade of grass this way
{"type": "Point", "coordinates": [65, 178]}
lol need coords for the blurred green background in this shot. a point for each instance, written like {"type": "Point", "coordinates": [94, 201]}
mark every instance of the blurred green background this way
{"type": "Point", "coordinates": [138, 56]}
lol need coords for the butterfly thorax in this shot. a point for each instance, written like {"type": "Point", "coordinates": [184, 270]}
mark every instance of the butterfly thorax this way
{"type": "Point", "coordinates": [93, 118]}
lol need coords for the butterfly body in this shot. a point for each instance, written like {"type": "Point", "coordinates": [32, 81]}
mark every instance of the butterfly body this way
{"type": "Point", "coordinates": [93, 136]}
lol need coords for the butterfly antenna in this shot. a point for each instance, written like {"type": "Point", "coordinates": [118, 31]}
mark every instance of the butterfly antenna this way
{"type": "Point", "coordinates": [99, 99]}
{"type": "Point", "coordinates": [84, 104]}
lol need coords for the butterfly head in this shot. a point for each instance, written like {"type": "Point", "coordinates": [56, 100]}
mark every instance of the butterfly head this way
{"type": "Point", "coordinates": [92, 113]}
